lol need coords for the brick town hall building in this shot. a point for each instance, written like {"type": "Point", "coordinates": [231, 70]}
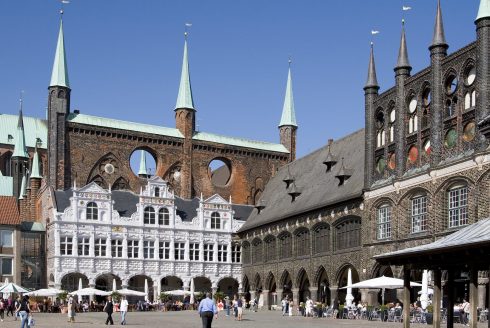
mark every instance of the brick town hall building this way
{"type": "Point", "coordinates": [418, 171]}
{"type": "Point", "coordinates": [98, 221]}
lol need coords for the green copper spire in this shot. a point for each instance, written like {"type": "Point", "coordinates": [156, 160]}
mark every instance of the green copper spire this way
{"type": "Point", "coordinates": [23, 188]}
{"type": "Point", "coordinates": [59, 76]}
{"type": "Point", "coordinates": [20, 140]}
{"type": "Point", "coordinates": [288, 114]}
{"type": "Point", "coordinates": [184, 99]}
{"type": "Point", "coordinates": [403, 61]}
{"type": "Point", "coordinates": [484, 10]}
{"type": "Point", "coordinates": [35, 166]}
{"type": "Point", "coordinates": [142, 171]}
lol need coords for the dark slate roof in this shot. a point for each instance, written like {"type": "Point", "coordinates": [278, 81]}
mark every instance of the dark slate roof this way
{"type": "Point", "coordinates": [125, 203]}
{"type": "Point", "coordinates": [318, 187]}
{"type": "Point", "coordinates": [475, 234]}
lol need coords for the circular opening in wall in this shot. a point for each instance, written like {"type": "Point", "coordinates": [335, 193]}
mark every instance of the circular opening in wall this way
{"type": "Point", "coordinates": [427, 96]}
{"type": "Point", "coordinates": [451, 138]}
{"type": "Point", "coordinates": [219, 171]}
{"type": "Point", "coordinates": [470, 75]}
{"type": "Point", "coordinates": [381, 165]}
{"type": "Point", "coordinates": [451, 84]}
{"type": "Point", "coordinates": [469, 132]}
{"type": "Point", "coordinates": [143, 163]}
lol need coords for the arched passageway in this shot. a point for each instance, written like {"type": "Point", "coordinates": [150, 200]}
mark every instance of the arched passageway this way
{"type": "Point", "coordinates": [342, 282]}
{"type": "Point", "coordinates": [323, 285]}
{"type": "Point", "coordinates": [228, 286]}
{"type": "Point", "coordinates": [71, 281]}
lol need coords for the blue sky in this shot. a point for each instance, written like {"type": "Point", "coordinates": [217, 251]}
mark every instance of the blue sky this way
{"type": "Point", "coordinates": [125, 58]}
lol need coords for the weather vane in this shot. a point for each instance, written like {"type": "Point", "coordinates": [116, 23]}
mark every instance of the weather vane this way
{"type": "Point", "coordinates": [187, 26]}
{"type": "Point", "coordinates": [63, 2]}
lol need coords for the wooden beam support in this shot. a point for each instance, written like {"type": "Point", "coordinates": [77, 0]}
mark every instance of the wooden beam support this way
{"type": "Point", "coordinates": [437, 298]}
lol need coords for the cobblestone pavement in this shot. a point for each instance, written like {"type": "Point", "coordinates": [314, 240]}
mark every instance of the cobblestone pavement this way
{"type": "Point", "coordinates": [190, 319]}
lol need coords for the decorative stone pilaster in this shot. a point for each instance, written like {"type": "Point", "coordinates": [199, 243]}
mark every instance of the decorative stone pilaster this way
{"type": "Point", "coordinates": [314, 294]}
{"type": "Point", "coordinates": [295, 292]}
{"type": "Point", "coordinates": [265, 297]}
{"type": "Point", "coordinates": [279, 297]}
{"type": "Point", "coordinates": [482, 290]}
{"type": "Point", "coordinates": [333, 293]}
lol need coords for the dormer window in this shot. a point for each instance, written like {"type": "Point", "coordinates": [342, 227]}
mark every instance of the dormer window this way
{"type": "Point", "coordinates": [215, 220]}
{"type": "Point", "coordinates": [330, 160]}
{"type": "Point", "coordinates": [294, 192]}
{"type": "Point", "coordinates": [157, 192]}
{"type": "Point", "coordinates": [92, 211]}
{"type": "Point", "coordinates": [343, 174]}
{"type": "Point", "coordinates": [288, 179]}
{"type": "Point", "coordinates": [260, 206]}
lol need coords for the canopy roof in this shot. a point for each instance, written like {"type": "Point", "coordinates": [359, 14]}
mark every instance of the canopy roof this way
{"type": "Point", "coordinates": [470, 245]}
{"type": "Point", "coordinates": [130, 292]}
{"type": "Point", "coordinates": [12, 288]}
{"type": "Point", "coordinates": [45, 292]}
{"type": "Point", "coordinates": [89, 291]}
{"type": "Point", "coordinates": [382, 282]}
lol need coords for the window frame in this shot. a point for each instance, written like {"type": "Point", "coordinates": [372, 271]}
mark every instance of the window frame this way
{"type": "Point", "coordinates": [66, 245]}
{"type": "Point", "coordinates": [194, 251]}
{"type": "Point", "coordinates": [4, 232]}
{"type": "Point", "coordinates": [164, 250]}
{"type": "Point", "coordinates": [133, 248]}
{"type": "Point", "coordinates": [100, 247]}
{"type": "Point", "coordinates": [208, 253]}
{"type": "Point", "coordinates": [383, 222]}
{"type": "Point", "coordinates": [179, 251]}
{"type": "Point", "coordinates": [215, 221]}
{"type": "Point", "coordinates": [149, 215]}
{"type": "Point", "coordinates": [236, 253]}
{"type": "Point", "coordinates": [164, 216]}
{"type": "Point", "coordinates": [2, 266]}
{"type": "Point", "coordinates": [458, 211]}
{"type": "Point", "coordinates": [418, 213]}
{"type": "Point", "coordinates": [117, 248]}
{"type": "Point", "coordinates": [321, 239]}
{"type": "Point", "coordinates": [148, 249]}
{"type": "Point", "coordinates": [222, 253]}
{"type": "Point", "coordinates": [92, 211]}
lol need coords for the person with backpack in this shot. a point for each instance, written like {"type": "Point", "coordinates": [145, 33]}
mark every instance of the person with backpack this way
{"type": "Point", "coordinates": [109, 308]}
{"type": "Point", "coordinates": [24, 311]}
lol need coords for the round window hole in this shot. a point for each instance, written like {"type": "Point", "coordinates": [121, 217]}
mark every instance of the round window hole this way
{"type": "Point", "coordinates": [219, 171]}
{"type": "Point", "coordinates": [143, 164]}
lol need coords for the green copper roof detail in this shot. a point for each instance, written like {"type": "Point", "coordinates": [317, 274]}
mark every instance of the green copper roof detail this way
{"type": "Point", "coordinates": [403, 61]}
{"type": "Point", "coordinates": [142, 170]}
{"type": "Point", "coordinates": [484, 10]}
{"type": "Point", "coordinates": [23, 188]}
{"type": "Point", "coordinates": [6, 186]}
{"type": "Point", "coordinates": [288, 116]}
{"type": "Point", "coordinates": [35, 130]}
{"type": "Point", "coordinates": [35, 167]}
{"type": "Point", "coordinates": [59, 76]}
{"type": "Point", "coordinates": [184, 98]}
{"type": "Point", "coordinates": [20, 140]}
{"type": "Point", "coordinates": [239, 142]}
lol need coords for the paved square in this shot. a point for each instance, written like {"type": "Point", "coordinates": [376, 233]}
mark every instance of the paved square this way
{"type": "Point", "coordinates": [190, 319]}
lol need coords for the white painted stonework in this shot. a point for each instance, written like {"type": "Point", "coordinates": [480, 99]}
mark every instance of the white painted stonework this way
{"type": "Point", "coordinates": [109, 225]}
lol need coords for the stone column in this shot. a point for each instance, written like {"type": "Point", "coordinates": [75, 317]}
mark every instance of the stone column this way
{"type": "Point", "coordinates": [252, 294]}
{"type": "Point", "coordinates": [314, 294]}
{"type": "Point", "coordinates": [373, 297]}
{"type": "Point", "coordinates": [156, 294]}
{"type": "Point", "coordinates": [265, 295]}
{"type": "Point", "coordinates": [140, 247]}
{"type": "Point", "coordinates": [482, 290]}
{"type": "Point", "coordinates": [228, 253]}
{"type": "Point", "coordinates": [364, 295]}
{"type": "Point", "coordinates": [279, 297]}
{"type": "Point", "coordinates": [437, 298]}
{"type": "Point", "coordinates": [450, 298]}
{"type": "Point", "coordinates": [333, 293]}
{"type": "Point", "coordinates": [295, 292]}
{"type": "Point", "coordinates": [406, 297]}
{"type": "Point", "coordinates": [473, 299]}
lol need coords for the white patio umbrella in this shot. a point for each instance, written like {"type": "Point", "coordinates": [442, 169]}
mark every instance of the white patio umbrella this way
{"type": "Point", "coordinates": [80, 285]}
{"type": "Point", "coordinates": [424, 295]}
{"type": "Point", "coordinates": [146, 290]}
{"type": "Point", "coordinates": [382, 283]}
{"type": "Point", "coordinates": [349, 297]}
{"type": "Point", "coordinates": [45, 292]}
{"type": "Point", "coordinates": [114, 287]}
{"type": "Point", "coordinates": [191, 301]}
{"type": "Point", "coordinates": [10, 287]}
{"type": "Point", "coordinates": [130, 292]}
{"type": "Point", "coordinates": [430, 291]}
{"type": "Point", "coordinates": [89, 291]}
{"type": "Point", "coordinates": [177, 292]}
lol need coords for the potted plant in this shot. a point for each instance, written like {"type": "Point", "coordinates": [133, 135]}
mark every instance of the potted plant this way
{"type": "Point", "coordinates": [219, 296]}
{"type": "Point", "coordinates": [341, 310]}
{"type": "Point", "coordinates": [429, 314]}
{"type": "Point", "coordinates": [383, 312]}
{"type": "Point", "coordinates": [164, 297]}
{"type": "Point", "coordinates": [116, 296]}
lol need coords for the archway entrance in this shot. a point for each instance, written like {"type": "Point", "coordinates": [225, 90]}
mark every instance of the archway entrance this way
{"type": "Point", "coordinates": [271, 286]}
{"type": "Point", "coordinates": [287, 285]}
{"type": "Point", "coordinates": [71, 281]}
{"type": "Point", "coordinates": [304, 286]}
{"type": "Point", "coordinates": [342, 282]}
{"type": "Point", "coordinates": [139, 282]}
{"type": "Point", "coordinates": [202, 284]}
{"type": "Point", "coordinates": [246, 288]}
{"type": "Point", "coordinates": [106, 282]}
{"type": "Point", "coordinates": [228, 286]}
{"type": "Point", "coordinates": [171, 283]}
{"type": "Point", "coordinates": [390, 294]}
{"type": "Point", "coordinates": [323, 294]}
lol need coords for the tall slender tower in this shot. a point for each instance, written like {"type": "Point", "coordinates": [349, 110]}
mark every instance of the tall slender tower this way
{"type": "Point", "coordinates": [288, 125]}
{"type": "Point", "coordinates": [185, 114]}
{"type": "Point", "coordinates": [20, 157]}
{"type": "Point", "coordinates": [402, 72]}
{"type": "Point", "coordinates": [482, 23]}
{"type": "Point", "coordinates": [370, 94]}
{"type": "Point", "coordinates": [438, 51]}
{"type": "Point", "coordinates": [58, 109]}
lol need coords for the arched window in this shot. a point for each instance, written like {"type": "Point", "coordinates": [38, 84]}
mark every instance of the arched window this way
{"type": "Point", "coordinates": [321, 239]}
{"type": "Point", "coordinates": [384, 222]}
{"type": "Point", "coordinates": [157, 192]}
{"type": "Point", "coordinates": [149, 215]}
{"type": "Point", "coordinates": [286, 246]}
{"type": "Point", "coordinates": [92, 211]}
{"type": "Point", "coordinates": [419, 213]}
{"type": "Point", "coordinates": [458, 206]}
{"type": "Point", "coordinates": [347, 233]}
{"type": "Point", "coordinates": [392, 125]}
{"type": "Point", "coordinates": [215, 220]}
{"type": "Point", "coordinates": [302, 242]}
{"type": "Point", "coordinates": [246, 253]}
{"type": "Point", "coordinates": [413, 118]}
{"type": "Point", "coordinates": [257, 251]}
{"type": "Point", "coordinates": [270, 249]}
{"type": "Point", "coordinates": [380, 127]}
{"type": "Point", "coordinates": [163, 216]}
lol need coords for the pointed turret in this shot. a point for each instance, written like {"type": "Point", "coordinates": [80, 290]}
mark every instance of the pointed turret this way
{"type": "Point", "coordinates": [23, 188]}
{"type": "Point", "coordinates": [142, 172]}
{"type": "Point", "coordinates": [184, 98]}
{"type": "Point", "coordinates": [372, 81]}
{"type": "Point", "coordinates": [20, 140]}
{"type": "Point", "coordinates": [288, 125]}
{"type": "Point", "coordinates": [403, 61]}
{"type": "Point", "coordinates": [484, 10]}
{"type": "Point", "coordinates": [59, 75]}
{"type": "Point", "coordinates": [35, 166]}
{"type": "Point", "coordinates": [439, 38]}
{"type": "Point", "coordinates": [288, 116]}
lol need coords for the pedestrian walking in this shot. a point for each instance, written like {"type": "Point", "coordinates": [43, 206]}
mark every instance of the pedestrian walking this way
{"type": "Point", "coordinates": [239, 305]}
{"type": "Point", "coordinates": [109, 308]}
{"type": "Point", "coordinates": [123, 308]}
{"type": "Point", "coordinates": [2, 308]}
{"type": "Point", "coordinates": [24, 311]}
{"type": "Point", "coordinates": [207, 308]}
{"type": "Point", "coordinates": [227, 305]}
{"type": "Point", "coordinates": [71, 309]}
{"type": "Point", "coordinates": [290, 308]}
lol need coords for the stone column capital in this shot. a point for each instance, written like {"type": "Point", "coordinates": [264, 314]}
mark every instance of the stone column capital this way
{"type": "Point", "coordinates": [482, 281]}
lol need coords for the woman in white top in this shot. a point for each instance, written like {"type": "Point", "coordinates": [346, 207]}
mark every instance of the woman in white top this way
{"type": "Point", "coordinates": [123, 308]}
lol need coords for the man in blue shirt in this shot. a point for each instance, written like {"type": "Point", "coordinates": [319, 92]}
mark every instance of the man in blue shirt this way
{"type": "Point", "coordinates": [207, 308]}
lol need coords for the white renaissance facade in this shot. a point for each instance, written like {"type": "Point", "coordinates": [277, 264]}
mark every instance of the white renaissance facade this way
{"type": "Point", "coordinates": [160, 246]}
